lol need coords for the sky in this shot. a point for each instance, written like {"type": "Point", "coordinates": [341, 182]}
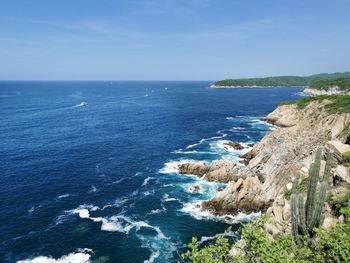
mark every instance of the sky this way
{"type": "Point", "coordinates": [172, 39]}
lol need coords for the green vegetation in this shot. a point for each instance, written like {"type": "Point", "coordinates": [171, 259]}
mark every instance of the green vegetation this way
{"type": "Point", "coordinates": [286, 81]}
{"type": "Point", "coordinates": [329, 246]}
{"type": "Point", "coordinates": [214, 253]}
{"type": "Point", "coordinates": [342, 83]}
{"type": "Point", "coordinates": [346, 158]}
{"type": "Point", "coordinates": [338, 104]}
{"type": "Point", "coordinates": [340, 204]}
{"type": "Point", "coordinates": [309, 215]}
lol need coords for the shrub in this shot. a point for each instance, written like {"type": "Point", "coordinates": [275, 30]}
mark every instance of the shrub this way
{"type": "Point", "coordinates": [346, 158]}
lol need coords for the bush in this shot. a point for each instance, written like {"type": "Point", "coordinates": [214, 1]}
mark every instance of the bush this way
{"type": "Point", "coordinates": [214, 253]}
{"type": "Point", "coordinates": [346, 158]}
{"type": "Point", "coordinates": [331, 246]}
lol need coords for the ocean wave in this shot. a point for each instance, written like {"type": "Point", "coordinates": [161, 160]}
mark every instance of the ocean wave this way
{"type": "Point", "coordinates": [80, 256]}
{"type": "Point", "coordinates": [207, 139]}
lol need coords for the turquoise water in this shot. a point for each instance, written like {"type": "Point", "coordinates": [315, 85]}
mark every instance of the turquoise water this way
{"type": "Point", "coordinates": [89, 168]}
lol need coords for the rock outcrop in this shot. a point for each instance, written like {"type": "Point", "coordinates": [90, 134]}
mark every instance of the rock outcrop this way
{"type": "Point", "coordinates": [335, 90]}
{"type": "Point", "coordinates": [279, 156]}
{"type": "Point", "coordinates": [218, 171]}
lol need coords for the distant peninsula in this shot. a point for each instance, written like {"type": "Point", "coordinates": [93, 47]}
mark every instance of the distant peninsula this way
{"type": "Point", "coordinates": [322, 81]}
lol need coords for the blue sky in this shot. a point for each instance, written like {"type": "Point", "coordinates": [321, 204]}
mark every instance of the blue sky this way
{"type": "Point", "coordinates": [172, 40]}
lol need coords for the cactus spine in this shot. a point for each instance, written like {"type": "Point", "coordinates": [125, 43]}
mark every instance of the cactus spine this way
{"type": "Point", "coordinates": [306, 216]}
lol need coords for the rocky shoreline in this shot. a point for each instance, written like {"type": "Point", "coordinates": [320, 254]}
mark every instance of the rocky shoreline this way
{"type": "Point", "coordinates": [261, 183]}
{"type": "Point", "coordinates": [330, 91]}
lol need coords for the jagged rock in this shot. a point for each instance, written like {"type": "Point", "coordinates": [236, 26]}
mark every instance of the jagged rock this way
{"type": "Point", "coordinates": [246, 157]}
{"type": "Point", "coordinates": [289, 186]}
{"type": "Point", "coordinates": [195, 168]}
{"type": "Point", "coordinates": [271, 229]}
{"type": "Point", "coordinates": [338, 148]}
{"type": "Point", "coordinates": [237, 248]}
{"type": "Point", "coordinates": [218, 171]}
{"type": "Point", "coordinates": [223, 172]}
{"type": "Point", "coordinates": [329, 222]}
{"type": "Point", "coordinates": [241, 196]}
{"type": "Point", "coordinates": [286, 211]}
{"type": "Point", "coordinates": [234, 145]}
{"type": "Point", "coordinates": [343, 172]}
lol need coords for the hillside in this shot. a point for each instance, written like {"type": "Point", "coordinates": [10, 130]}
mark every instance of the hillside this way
{"type": "Point", "coordinates": [280, 81]}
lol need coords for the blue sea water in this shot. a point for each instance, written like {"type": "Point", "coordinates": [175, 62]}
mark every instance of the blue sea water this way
{"type": "Point", "coordinates": [99, 180]}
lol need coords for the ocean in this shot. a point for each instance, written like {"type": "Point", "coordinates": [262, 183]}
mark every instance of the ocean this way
{"type": "Point", "coordinates": [88, 169]}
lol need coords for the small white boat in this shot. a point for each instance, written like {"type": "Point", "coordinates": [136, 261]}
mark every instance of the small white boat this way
{"type": "Point", "coordinates": [82, 104]}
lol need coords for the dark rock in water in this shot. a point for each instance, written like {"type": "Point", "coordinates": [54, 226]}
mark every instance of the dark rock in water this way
{"type": "Point", "coordinates": [246, 157]}
{"type": "Point", "coordinates": [196, 189]}
{"type": "Point", "coordinates": [250, 144]}
{"type": "Point", "coordinates": [234, 145]}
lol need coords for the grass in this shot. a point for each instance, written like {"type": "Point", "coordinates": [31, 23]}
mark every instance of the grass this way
{"type": "Point", "coordinates": [338, 104]}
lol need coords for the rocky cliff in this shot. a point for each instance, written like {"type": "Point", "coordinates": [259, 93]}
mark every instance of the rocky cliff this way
{"type": "Point", "coordinates": [273, 162]}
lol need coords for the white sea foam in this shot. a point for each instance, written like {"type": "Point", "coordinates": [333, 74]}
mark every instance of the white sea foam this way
{"type": "Point", "coordinates": [63, 196]}
{"type": "Point", "coordinates": [153, 256]}
{"type": "Point", "coordinates": [223, 135]}
{"type": "Point", "coordinates": [194, 189]}
{"type": "Point", "coordinates": [145, 182]}
{"type": "Point", "coordinates": [195, 210]}
{"type": "Point", "coordinates": [191, 152]}
{"type": "Point", "coordinates": [119, 180]}
{"type": "Point", "coordinates": [166, 198]}
{"type": "Point", "coordinates": [81, 256]}
{"type": "Point", "coordinates": [93, 189]}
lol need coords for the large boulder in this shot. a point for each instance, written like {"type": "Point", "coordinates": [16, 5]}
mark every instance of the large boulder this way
{"type": "Point", "coordinates": [338, 148]}
{"type": "Point", "coordinates": [343, 172]}
{"type": "Point", "coordinates": [194, 168]}
{"type": "Point", "coordinates": [241, 196]}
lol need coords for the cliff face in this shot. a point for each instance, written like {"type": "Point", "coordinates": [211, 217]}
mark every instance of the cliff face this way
{"type": "Point", "coordinates": [278, 157]}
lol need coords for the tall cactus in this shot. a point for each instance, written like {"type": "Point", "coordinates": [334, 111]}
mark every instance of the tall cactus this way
{"type": "Point", "coordinates": [305, 217]}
